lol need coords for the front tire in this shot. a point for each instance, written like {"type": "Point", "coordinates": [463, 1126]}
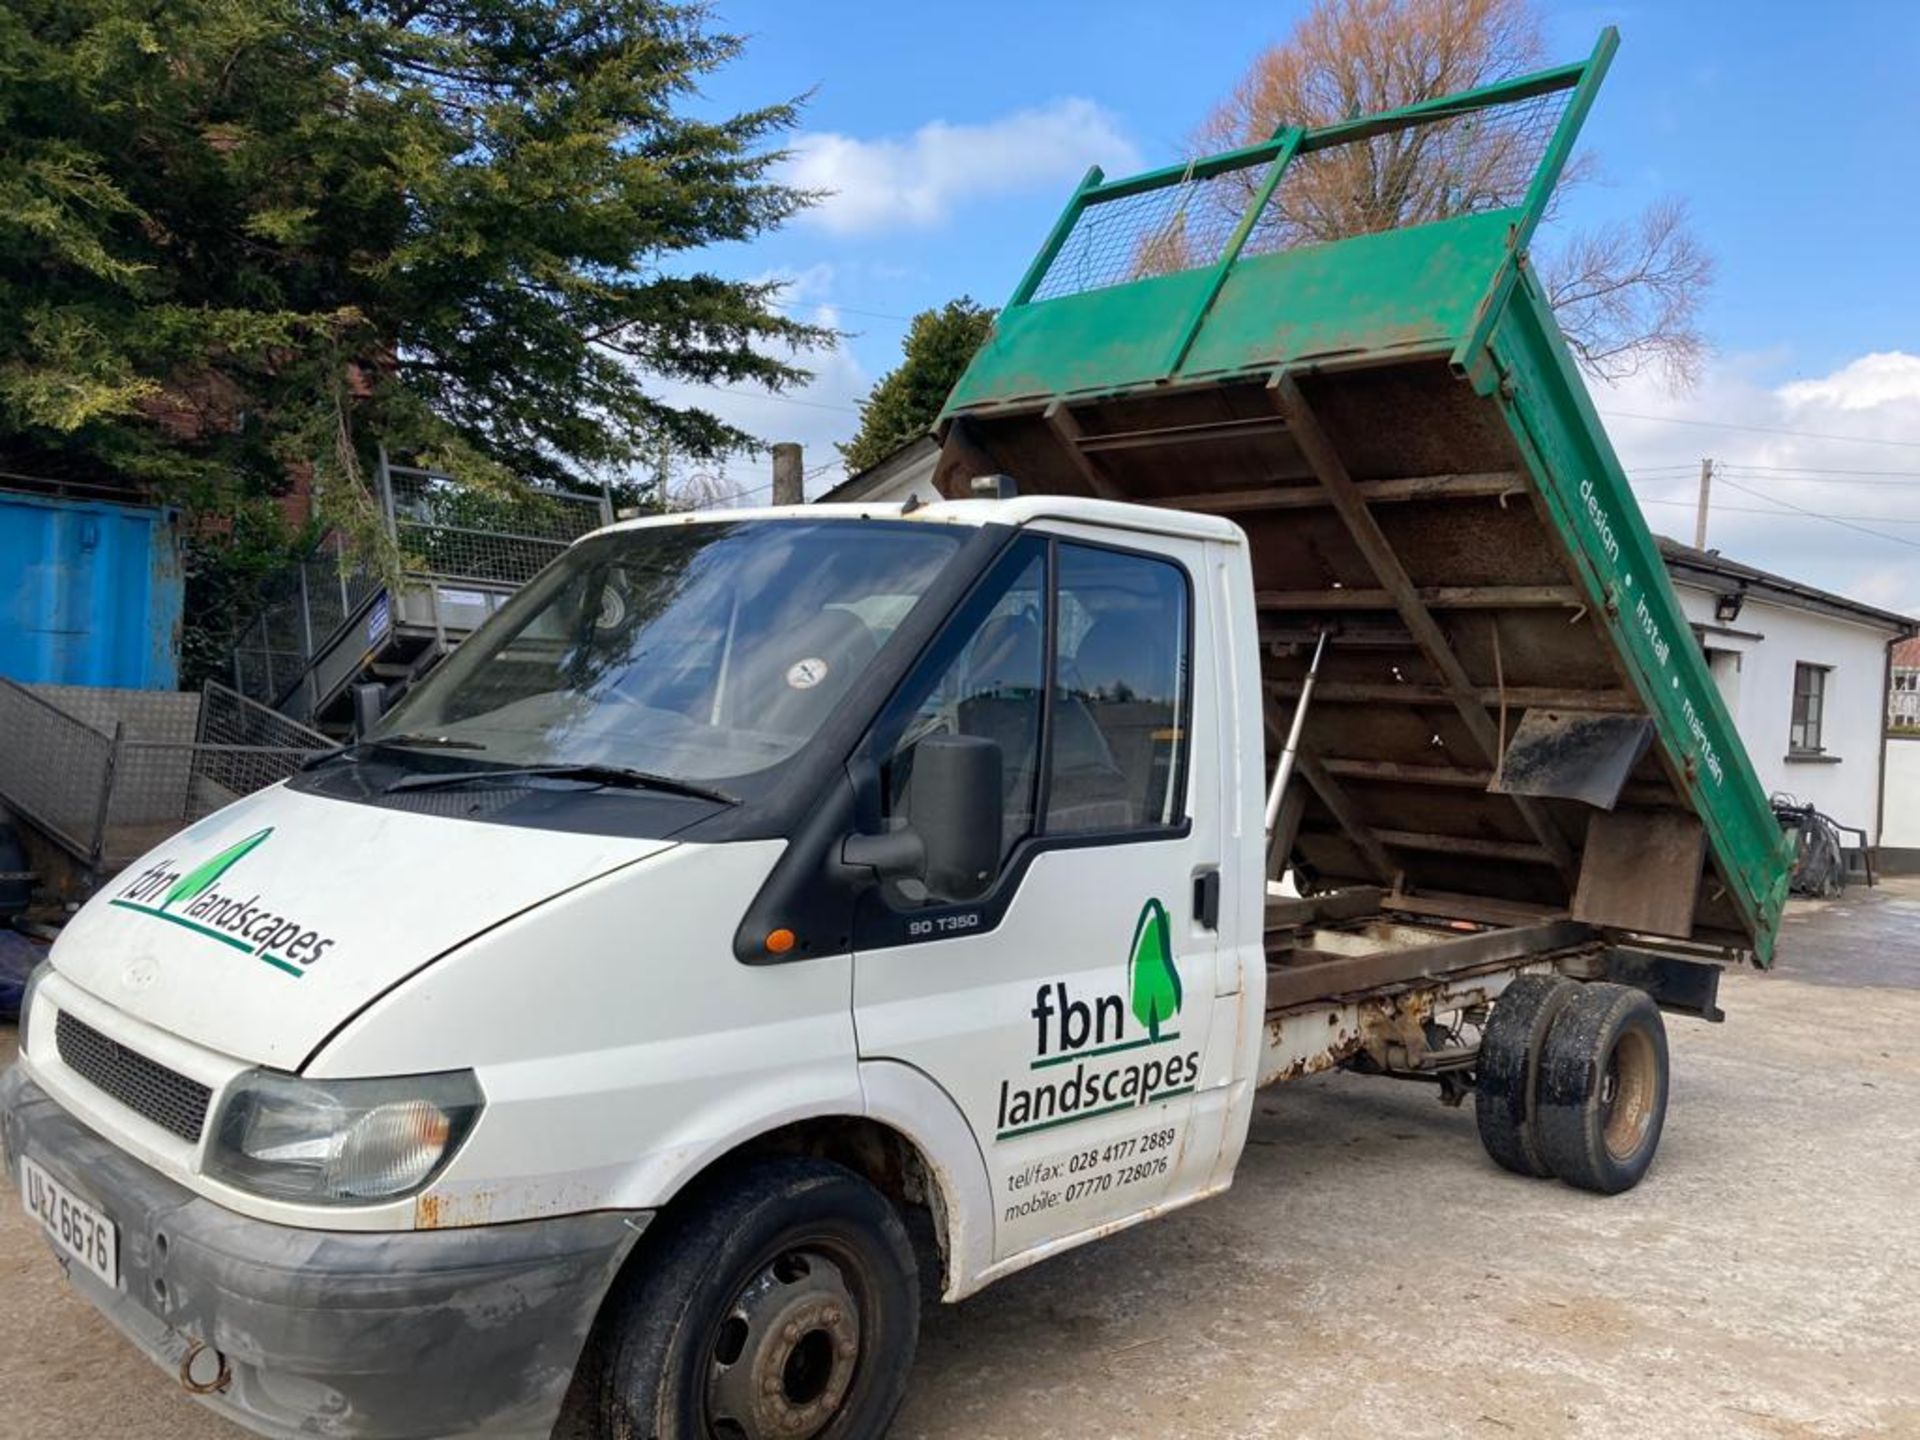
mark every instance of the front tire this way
{"type": "Point", "coordinates": [782, 1304]}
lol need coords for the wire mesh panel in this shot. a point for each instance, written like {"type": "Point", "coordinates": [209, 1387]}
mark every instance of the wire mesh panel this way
{"type": "Point", "coordinates": [1180, 226]}
{"type": "Point", "coordinates": [449, 530]}
{"type": "Point", "coordinates": [176, 758]}
{"type": "Point", "coordinates": [150, 783]}
{"type": "Point", "coordinates": [228, 718]}
{"type": "Point", "coordinates": [305, 607]}
{"type": "Point", "coordinates": [1464, 163]}
{"type": "Point", "coordinates": [53, 766]}
{"type": "Point", "coordinates": [1445, 164]}
{"type": "Point", "coordinates": [258, 671]}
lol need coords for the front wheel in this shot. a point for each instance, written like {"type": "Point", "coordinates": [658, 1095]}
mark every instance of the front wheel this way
{"type": "Point", "coordinates": [782, 1306]}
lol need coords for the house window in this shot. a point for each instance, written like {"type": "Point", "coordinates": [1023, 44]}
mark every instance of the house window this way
{"type": "Point", "coordinates": [1809, 709]}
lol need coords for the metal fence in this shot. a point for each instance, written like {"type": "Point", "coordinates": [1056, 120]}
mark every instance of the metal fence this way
{"type": "Point", "coordinates": [1462, 155]}
{"type": "Point", "coordinates": [442, 530]}
{"type": "Point", "coordinates": [54, 768]}
{"type": "Point", "coordinates": [108, 773]}
{"type": "Point", "coordinates": [305, 606]}
{"type": "Point", "coordinates": [455, 532]}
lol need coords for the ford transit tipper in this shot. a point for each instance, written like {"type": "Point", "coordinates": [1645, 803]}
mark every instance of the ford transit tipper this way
{"type": "Point", "coordinates": [755, 890]}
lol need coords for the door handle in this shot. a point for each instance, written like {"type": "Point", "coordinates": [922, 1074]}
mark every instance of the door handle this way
{"type": "Point", "coordinates": [1206, 899]}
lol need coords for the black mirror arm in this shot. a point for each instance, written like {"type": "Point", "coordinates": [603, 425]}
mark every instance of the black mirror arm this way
{"type": "Point", "coordinates": [895, 855]}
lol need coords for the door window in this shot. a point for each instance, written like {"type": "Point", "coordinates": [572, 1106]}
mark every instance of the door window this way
{"type": "Point", "coordinates": [1120, 662]}
{"type": "Point", "coordinates": [988, 681]}
{"type": "Point", "coordinates": [1106, 752]}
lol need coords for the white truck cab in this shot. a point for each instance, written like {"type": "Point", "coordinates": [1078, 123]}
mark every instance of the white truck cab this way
{"type": "Point", "coordinates": [837, 848]}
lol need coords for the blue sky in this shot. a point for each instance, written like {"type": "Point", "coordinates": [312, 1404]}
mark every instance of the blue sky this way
{"type": "Point", "coordinates": [951, 135]}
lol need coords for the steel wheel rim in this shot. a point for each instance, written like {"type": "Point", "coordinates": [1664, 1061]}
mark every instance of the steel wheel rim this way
{"type": "Point", "coordinates": [1627, 1090]}
{"type": "Point", "coordinates": [782, 1361]}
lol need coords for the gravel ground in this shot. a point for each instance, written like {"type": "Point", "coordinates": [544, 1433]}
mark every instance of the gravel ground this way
{"type": "Point", "coordinates": [1373, 1274]}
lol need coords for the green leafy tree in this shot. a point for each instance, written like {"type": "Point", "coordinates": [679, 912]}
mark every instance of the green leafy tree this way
{"type": "Point", "coordinates": [243, 241]}
{"type": "Point", "coordinates": [1151, 975]}
{"type": "Point", "coordinates": [908, 398]}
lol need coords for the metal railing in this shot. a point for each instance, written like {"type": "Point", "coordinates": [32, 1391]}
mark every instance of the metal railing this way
{"type": "Point", "coordinates": [55, 769]}
{"type": "Point", "coordinates": [443, 531]}
{"type": "Point", "coordinates": [106, 773]}
{"type": "Point", "coordinates": [1497, 149]}
{"type": "Point", "coordinates": [454, 532]}
{"type": "Point", "coordinates": [305, 606]}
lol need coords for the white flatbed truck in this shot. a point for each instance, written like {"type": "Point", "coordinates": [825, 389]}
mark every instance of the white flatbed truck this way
{"type": "Point", "coordinates": [584, 1038]}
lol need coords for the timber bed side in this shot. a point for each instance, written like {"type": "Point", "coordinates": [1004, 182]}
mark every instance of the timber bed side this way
{"type": "Point", "coordinates": [1362, 941]}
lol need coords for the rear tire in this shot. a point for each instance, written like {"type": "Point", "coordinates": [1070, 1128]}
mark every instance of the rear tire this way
{"type": "Point", "coordinates": [1506, 1081]}
{"type": "Point", "coordinates": [1603, 1088]}
{"type": "Point", "coordinates": [783, 1302]}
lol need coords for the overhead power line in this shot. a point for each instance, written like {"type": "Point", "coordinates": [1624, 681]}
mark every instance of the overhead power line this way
{"type": "Point", "coordinates": [1762, 429]}
{"type": "Point", "coordinates": [772, 395]}
{"type": "Point", "coordinates": [1833, 477]}
{"type": "Point", "coordinates": [1761, 510]}
{"type": "Point", "coordinates": [843, 309]}
{"type": "Point", "coordinates": [1844, 523]}
{"type": "Point", "coordinates": [1821, 470]}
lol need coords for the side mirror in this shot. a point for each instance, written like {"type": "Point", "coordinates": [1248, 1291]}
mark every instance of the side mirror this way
{"type": "Point", "coordinates": [954, 796]}
{"type": "Point", "coordinates": [369, 704]}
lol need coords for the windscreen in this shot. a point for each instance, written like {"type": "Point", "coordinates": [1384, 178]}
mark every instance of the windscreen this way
{"type": "Point", "coordinates": [698, 651]}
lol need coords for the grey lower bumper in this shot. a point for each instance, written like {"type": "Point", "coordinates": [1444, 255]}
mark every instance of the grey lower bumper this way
{"type": "Point", "coordinates": [385, 1336]}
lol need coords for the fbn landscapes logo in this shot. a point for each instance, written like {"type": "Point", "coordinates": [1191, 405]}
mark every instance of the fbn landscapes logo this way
{"type": "Point", "coordinates": [196, 902]}
{"type": "Point", "coordinates": [1078, 1033]}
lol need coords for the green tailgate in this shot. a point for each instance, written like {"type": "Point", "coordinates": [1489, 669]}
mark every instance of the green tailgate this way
{"type": "Point", "coordinates": [1334, 337]}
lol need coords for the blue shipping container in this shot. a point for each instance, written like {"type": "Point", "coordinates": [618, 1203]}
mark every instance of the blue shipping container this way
{"type": "Point", "coordinates": [90, 593]}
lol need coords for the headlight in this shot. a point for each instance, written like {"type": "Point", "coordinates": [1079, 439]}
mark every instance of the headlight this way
{"type": "Point", "coordinates": [34, 977]}
{"type": "Point", "coordinates": [340, 1142]}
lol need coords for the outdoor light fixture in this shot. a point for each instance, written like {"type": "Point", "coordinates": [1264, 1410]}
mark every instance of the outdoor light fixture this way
{"type": "Point", "coordinates": [1726, 608]}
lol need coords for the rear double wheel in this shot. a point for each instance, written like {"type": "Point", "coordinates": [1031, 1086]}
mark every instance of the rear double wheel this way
{"type": "Point", "coordinates": [1603, 1089]}
{"type": "Point", "coordinates": [1573, 1082]}
{"type": "Point", "coordinates": [1506, 1088]}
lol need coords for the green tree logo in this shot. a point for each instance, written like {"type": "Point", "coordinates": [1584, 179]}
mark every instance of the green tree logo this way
{"type": "Point", "coordinates": [202, 876]}
{"type": "Point", "coordinates": [1151, 975]}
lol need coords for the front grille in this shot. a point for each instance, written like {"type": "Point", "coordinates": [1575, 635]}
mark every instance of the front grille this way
{"type": "Point", "coordinates": [146, 1087]}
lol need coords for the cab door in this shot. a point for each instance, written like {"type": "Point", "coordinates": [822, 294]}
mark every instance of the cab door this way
{"type": "Point", "coordinates": [1070, 1009]}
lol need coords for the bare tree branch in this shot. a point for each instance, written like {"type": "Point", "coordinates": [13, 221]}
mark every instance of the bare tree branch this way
{"type": "Point", "coordinates": [1627, 294]}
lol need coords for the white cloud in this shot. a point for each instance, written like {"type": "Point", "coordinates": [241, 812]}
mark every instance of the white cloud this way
{"type": "Point", "coordinates": [1880, 382]}
{"type": "Point", "coordinates": [1845, 445]}
{"type": "Point", "coordinates": [917, 181]}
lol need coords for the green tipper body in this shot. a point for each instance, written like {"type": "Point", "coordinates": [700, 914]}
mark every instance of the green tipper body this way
{"type": "Point", "coordinates": [1366, 376]}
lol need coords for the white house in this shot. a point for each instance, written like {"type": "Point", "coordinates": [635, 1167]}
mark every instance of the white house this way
{"type": "Point", "coordinates": [1903, 702]}
{"type": "Point", "coordinates": [1804, 672]}
{"type": "Point", "coordinates": [1900, 833]}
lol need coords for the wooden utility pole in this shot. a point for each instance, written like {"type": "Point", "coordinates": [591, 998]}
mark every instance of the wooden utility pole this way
{"type": "Point", "coordinates": [788, 475]}
{"type": "Point", "coordinates": [1700, 515]}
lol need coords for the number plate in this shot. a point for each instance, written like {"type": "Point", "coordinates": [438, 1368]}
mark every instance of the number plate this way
{"type": "Point", "coordinates": [77, 1228]}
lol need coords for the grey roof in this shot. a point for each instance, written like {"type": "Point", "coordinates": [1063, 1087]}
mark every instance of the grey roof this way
{"type": "Point", "coordinates": [1710, 570]}
{"type": "Point", "coordinates": [859, 486]}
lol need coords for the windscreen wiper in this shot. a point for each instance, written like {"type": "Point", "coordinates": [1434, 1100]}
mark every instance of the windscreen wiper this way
{"type": "Point", "coordinates": [614, 775]}
{"type": "Point", "coordinates": [434, 742]}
